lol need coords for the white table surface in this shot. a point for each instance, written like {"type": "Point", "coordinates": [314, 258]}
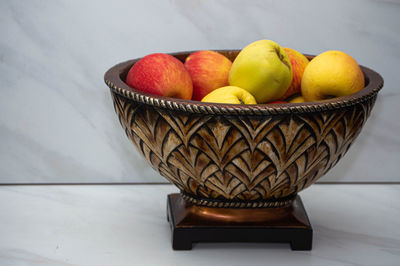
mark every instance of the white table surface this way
{"type": "Point", "coordinates": [126, 225]}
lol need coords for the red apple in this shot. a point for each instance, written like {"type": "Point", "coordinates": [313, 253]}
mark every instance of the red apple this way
{"type": "Point", "coordinates": [209, 71]}
{"type": "Point", "coordinates": [161, 74]}
{"type": "Point", "coordinates": [299, 63]}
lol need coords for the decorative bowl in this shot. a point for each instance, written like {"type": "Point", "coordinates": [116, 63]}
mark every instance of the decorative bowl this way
{"type": "Point", "coordinates": [240, 156]}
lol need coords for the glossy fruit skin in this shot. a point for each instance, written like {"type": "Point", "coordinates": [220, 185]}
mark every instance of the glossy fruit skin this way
{"type": "Point", "coordinates": [209, 70]}
{"type": "Point", "coordinates": [230, 95]}
{"type": "Point", "coordinates": [299, 63]}
{"type": "Point", "coordinates": [331, 74]}
{"type": "Point", "coordinates": [263, 69]}
{"type": "Point", "coordinates": [161, 74]}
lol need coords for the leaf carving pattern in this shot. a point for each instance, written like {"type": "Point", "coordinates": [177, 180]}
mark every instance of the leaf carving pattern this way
{"type": "Point", "coordinates": [237, 157]}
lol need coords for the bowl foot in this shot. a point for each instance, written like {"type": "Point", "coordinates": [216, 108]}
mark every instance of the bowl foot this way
{"type": "Point", "coordinates": [192, 223]}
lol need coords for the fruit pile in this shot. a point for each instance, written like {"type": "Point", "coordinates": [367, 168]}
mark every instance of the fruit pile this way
{"type": "Point", "coordinates": [262, 73]}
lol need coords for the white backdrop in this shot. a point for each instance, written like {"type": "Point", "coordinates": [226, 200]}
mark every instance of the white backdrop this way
{"type": "Point", "coordinates": [57, 123]}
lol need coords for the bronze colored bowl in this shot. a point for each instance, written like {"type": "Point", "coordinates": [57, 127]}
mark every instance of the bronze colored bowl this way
{"type": "Point", "coordinates": [227, 155]}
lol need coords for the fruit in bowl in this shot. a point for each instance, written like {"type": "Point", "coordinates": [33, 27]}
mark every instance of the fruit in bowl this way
{"type": "Point", "coordinates": [331, 74]}
{"type": "Point", "coordinates": [209, 70]}
{"type": "Point", "coordinates": [161, 74]}
{"type": "Point", "coordinates": [299, 63]}
{"type": "Point", "coordinates": [231, 95]}
{"type": "Point", "coordinates": [263, 69]}
{"type": "Point", "coordinates": [267, 71]}
{"type": "Point", "coordinates": [297, 99]}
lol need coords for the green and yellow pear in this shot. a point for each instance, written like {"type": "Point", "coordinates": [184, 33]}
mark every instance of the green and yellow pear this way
{"type": "Point", "coordinates": [263, 69]}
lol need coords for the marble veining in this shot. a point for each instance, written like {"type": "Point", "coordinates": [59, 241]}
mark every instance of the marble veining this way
{"type": "Point", "coordinates": [57, 123]}
{"type": "Point", "coordinates": [126, 225]}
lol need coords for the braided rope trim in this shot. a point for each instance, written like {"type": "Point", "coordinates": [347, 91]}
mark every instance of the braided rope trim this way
{"type": "Point", "coordinates": [240, 110]}
{"type": "Point", "coordinates": [237, 204]}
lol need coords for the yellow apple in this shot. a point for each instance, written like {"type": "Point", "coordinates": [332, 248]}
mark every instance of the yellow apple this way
{"type": "Point", "coordinates": [263, 69]}
{"type": "Point", "coordinates": [297, 99]}
{"type": "Point", "coordinates": [331, 74]}
{"type": "Point", "coordinates": [230, 94]}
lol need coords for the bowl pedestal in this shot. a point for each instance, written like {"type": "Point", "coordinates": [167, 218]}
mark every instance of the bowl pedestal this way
{"type": "Point", "coordinates": [192, 223]}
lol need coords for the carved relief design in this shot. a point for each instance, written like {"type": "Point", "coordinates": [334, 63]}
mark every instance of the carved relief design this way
{"type": "Point", "coordinates": [251, 159]}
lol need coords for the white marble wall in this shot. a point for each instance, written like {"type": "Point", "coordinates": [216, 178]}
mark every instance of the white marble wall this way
{"type": "Point", "coordinates": [57, 122]}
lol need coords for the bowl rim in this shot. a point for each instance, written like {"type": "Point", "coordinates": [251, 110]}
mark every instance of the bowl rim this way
{"type": "Point", "coordinates": [114, 81]}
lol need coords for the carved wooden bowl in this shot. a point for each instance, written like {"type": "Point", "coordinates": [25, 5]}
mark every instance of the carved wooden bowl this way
{"type": "Point", "coordinates": [226, 155]}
